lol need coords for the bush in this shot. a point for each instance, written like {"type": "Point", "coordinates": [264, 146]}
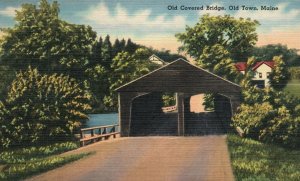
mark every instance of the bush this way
{"type": "Point", "coordinates": [253, 119]}
{"type": "Point", "coordinates": [274, 118]}
{"type": "Point", "coordinates": [40, 108]}
{"type": "Point", "coordinates": [295, 72]}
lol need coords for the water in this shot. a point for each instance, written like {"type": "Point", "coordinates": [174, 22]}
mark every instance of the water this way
{"type": "Point", "coordinates": [101, 120]}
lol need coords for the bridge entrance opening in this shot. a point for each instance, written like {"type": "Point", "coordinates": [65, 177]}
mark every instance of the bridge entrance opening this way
{"type": "Point", "coordinates": [210, 118]}
{"type": "Point", "coordinates": [154, 114]}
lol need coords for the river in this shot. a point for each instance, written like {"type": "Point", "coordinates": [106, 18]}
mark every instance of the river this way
{"type": "Point", "coordinates": [101, 119]}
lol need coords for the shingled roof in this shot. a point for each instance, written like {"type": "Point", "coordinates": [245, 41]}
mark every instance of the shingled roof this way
{"type": "Point", "coordinates": [180, 76]}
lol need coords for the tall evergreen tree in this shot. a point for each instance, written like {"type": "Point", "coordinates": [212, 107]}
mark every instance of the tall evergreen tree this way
{"type": "Point", "coordinates": [96, 53]}
{"type": "Point", "coordinates": [117, 47]}
{"type": "Point", "coordinates": [107, 52]}
{"type": "Point", "coordinates": [123, 44]}
{"type": "Point", "coordinates": [130, 46]}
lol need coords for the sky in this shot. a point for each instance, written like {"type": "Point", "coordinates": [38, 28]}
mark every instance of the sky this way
{"type": "Point", "coordinates": [149, 22]}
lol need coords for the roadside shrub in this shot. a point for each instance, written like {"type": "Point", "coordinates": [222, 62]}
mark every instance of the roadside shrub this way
{"type": "Point", "coordinates": [253, 118]}
{"type": "Point", "coordinates": [295, 72]}
{"type": "Point", "coordinates": [269, 115]}
{"type": "Point", "coordinates": [40, 108]}
{"type": "Point", "coordinates": [283, 129]}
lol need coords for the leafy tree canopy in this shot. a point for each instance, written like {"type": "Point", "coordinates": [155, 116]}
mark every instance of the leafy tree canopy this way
{"type": "Point", "coordinates": [40, 108]}
{"type": "Point", "coordinates": [280, 74]}
{"type": "Point", "coordinates": [236, 36]}
{"type": "Point", "coordinates": [127, 67]}
{"type": "Point", "coordinates": [41, 39]}
{"type": "Point", "coordinates": [267, 52]}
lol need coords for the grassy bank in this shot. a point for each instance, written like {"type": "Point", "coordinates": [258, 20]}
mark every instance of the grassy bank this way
{"type": "Point", "coordinates": [18, 164]}
{"type": "Point", "coordinates": [252, 160]}
{"type": "Point", "coordinates": [293, 87]}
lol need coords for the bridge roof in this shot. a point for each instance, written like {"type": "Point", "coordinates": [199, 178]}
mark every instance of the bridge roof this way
{"type": "Point", "coordinates": [180, 76]}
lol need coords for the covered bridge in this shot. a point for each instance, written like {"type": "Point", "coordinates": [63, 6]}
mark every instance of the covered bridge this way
{"type": "Point", "coordinates": [140, 101]}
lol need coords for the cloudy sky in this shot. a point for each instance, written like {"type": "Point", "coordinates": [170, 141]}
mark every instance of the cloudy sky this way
{"type": "Point", "coordinates": [150, 22]}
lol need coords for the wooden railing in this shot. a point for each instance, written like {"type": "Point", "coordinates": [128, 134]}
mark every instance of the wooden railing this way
{"type": "Point", "coordinates": [169, 109]}
{"type": "Point", "coordinates": [98, 133]}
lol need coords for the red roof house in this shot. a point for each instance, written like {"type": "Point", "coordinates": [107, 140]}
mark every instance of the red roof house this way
{"type": "Point", "coordinates": [262, 71]}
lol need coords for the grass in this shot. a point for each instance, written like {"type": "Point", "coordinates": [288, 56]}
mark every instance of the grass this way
{"type": "Point", "coordinates": [293, 87]}
{"type": "Point", "coordinates": [21, 163]}
{"type": "Point", "coordinates": [255, 161]}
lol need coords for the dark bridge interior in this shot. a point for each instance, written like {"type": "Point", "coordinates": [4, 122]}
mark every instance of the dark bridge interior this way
{"type": "Point", "coordinates": [148, 119]}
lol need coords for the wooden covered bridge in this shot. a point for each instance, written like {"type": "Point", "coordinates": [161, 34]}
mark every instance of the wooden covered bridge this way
{"type": "Point", "coordinates": [140, 101]}
{"type": "Point", "coordinates": [141, 113]}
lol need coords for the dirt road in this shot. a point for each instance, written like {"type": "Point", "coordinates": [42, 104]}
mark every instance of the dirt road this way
{"type": "Point", "coordinates": [150, 158]}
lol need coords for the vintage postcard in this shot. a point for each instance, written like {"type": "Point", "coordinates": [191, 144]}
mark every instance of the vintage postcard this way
{"type": "Point", "coordinates": [130, 90]}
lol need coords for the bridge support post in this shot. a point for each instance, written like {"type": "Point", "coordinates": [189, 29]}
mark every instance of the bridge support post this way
{"type": "Point", "coordinates": [124, 100]}
{"type": "Point", "coordinates": [235, 101]}
{"type": "Point", "coordinates": [180, 108]}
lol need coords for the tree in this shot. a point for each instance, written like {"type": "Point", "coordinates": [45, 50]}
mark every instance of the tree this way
{"type": "Point", "coordinates": [41, 108]}
{"type": "Point", "coordinates": [131, 47]}
{"type": "Point", "coordinates": [216, 59]}
{"type": "Point", "coordinates": [125, 68]}
{"type": "Point", "coordinates": [41, 39]}
{"type": "Point", "coordinates": [123, 44]}
{"type": "Point", "coordinates": [235, 36]}
{"type": "Point", "coordinates": [107, 53]}
{"type": "Point", "coordinates": [116, 47]}
{"type": "Point", "coordinates": [96, 57]}
{"type": "Point", "coordinates": [6, 77]}
{"type": "Point", "coordinates": [267, 52]}
{"type": "Point", "coordinates": [280, 74]}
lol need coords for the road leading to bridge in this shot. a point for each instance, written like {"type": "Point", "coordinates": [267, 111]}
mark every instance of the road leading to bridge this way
{"type": "Point", "coordinates": [150, 158]}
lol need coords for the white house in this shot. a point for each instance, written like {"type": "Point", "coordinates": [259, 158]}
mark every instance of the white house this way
{"type": "Point", "coordinates": [155, 59]}
{"type": "Point", "coordinates": [262, 72]}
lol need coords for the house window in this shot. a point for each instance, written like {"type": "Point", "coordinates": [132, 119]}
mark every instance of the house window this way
{"type": "Point", "coordinates": [268, 75]}
{"type": "Point", "coordinates": [260, 75]}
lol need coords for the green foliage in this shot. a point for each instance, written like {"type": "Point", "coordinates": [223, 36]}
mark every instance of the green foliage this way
{"type": "Point", "coordinates": [295, 72]}
{"type": "Point", "coordinates": [98, 83]}
{"type": "Point", "coordinates": [24, 162]}
{"type": "Point", "coordinates": [168, 99]}
{"type": "Point", "coordinates": [40, 108]}
{"type": "Point", "coordinates": [217, 59]}
{"type": "Point", "coordinates": [267, 52]}
{"type": "Point", "coordinates": [280, 74]}
{"type": "Point", "coordinates": [269, 116]}
{"type": "Point", "coordinates": [131, 47]}
{"type": "Point", "coordinates": [6, 77]}
{"type": "Point", "coordinates": [21, 171]}
{"type": "Point", "coordinates": [253, 160]}
{"type": "Point", "coordinates": [125, 68]}
{"type": "Point", "coordinates": [293, 87]}
{"type": "Point", "coordinates": [236, 36]}
{"type": "Point", "coordinates": [107, 53]}
{"type": "Point", "coordinates": [216, 41]}
{"type": "Point", "coordinates": [209, 101]}
{"type": "Point", "coordinates": [42, 40]}
{"type": "Point", "coordinates": [29, 154]}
